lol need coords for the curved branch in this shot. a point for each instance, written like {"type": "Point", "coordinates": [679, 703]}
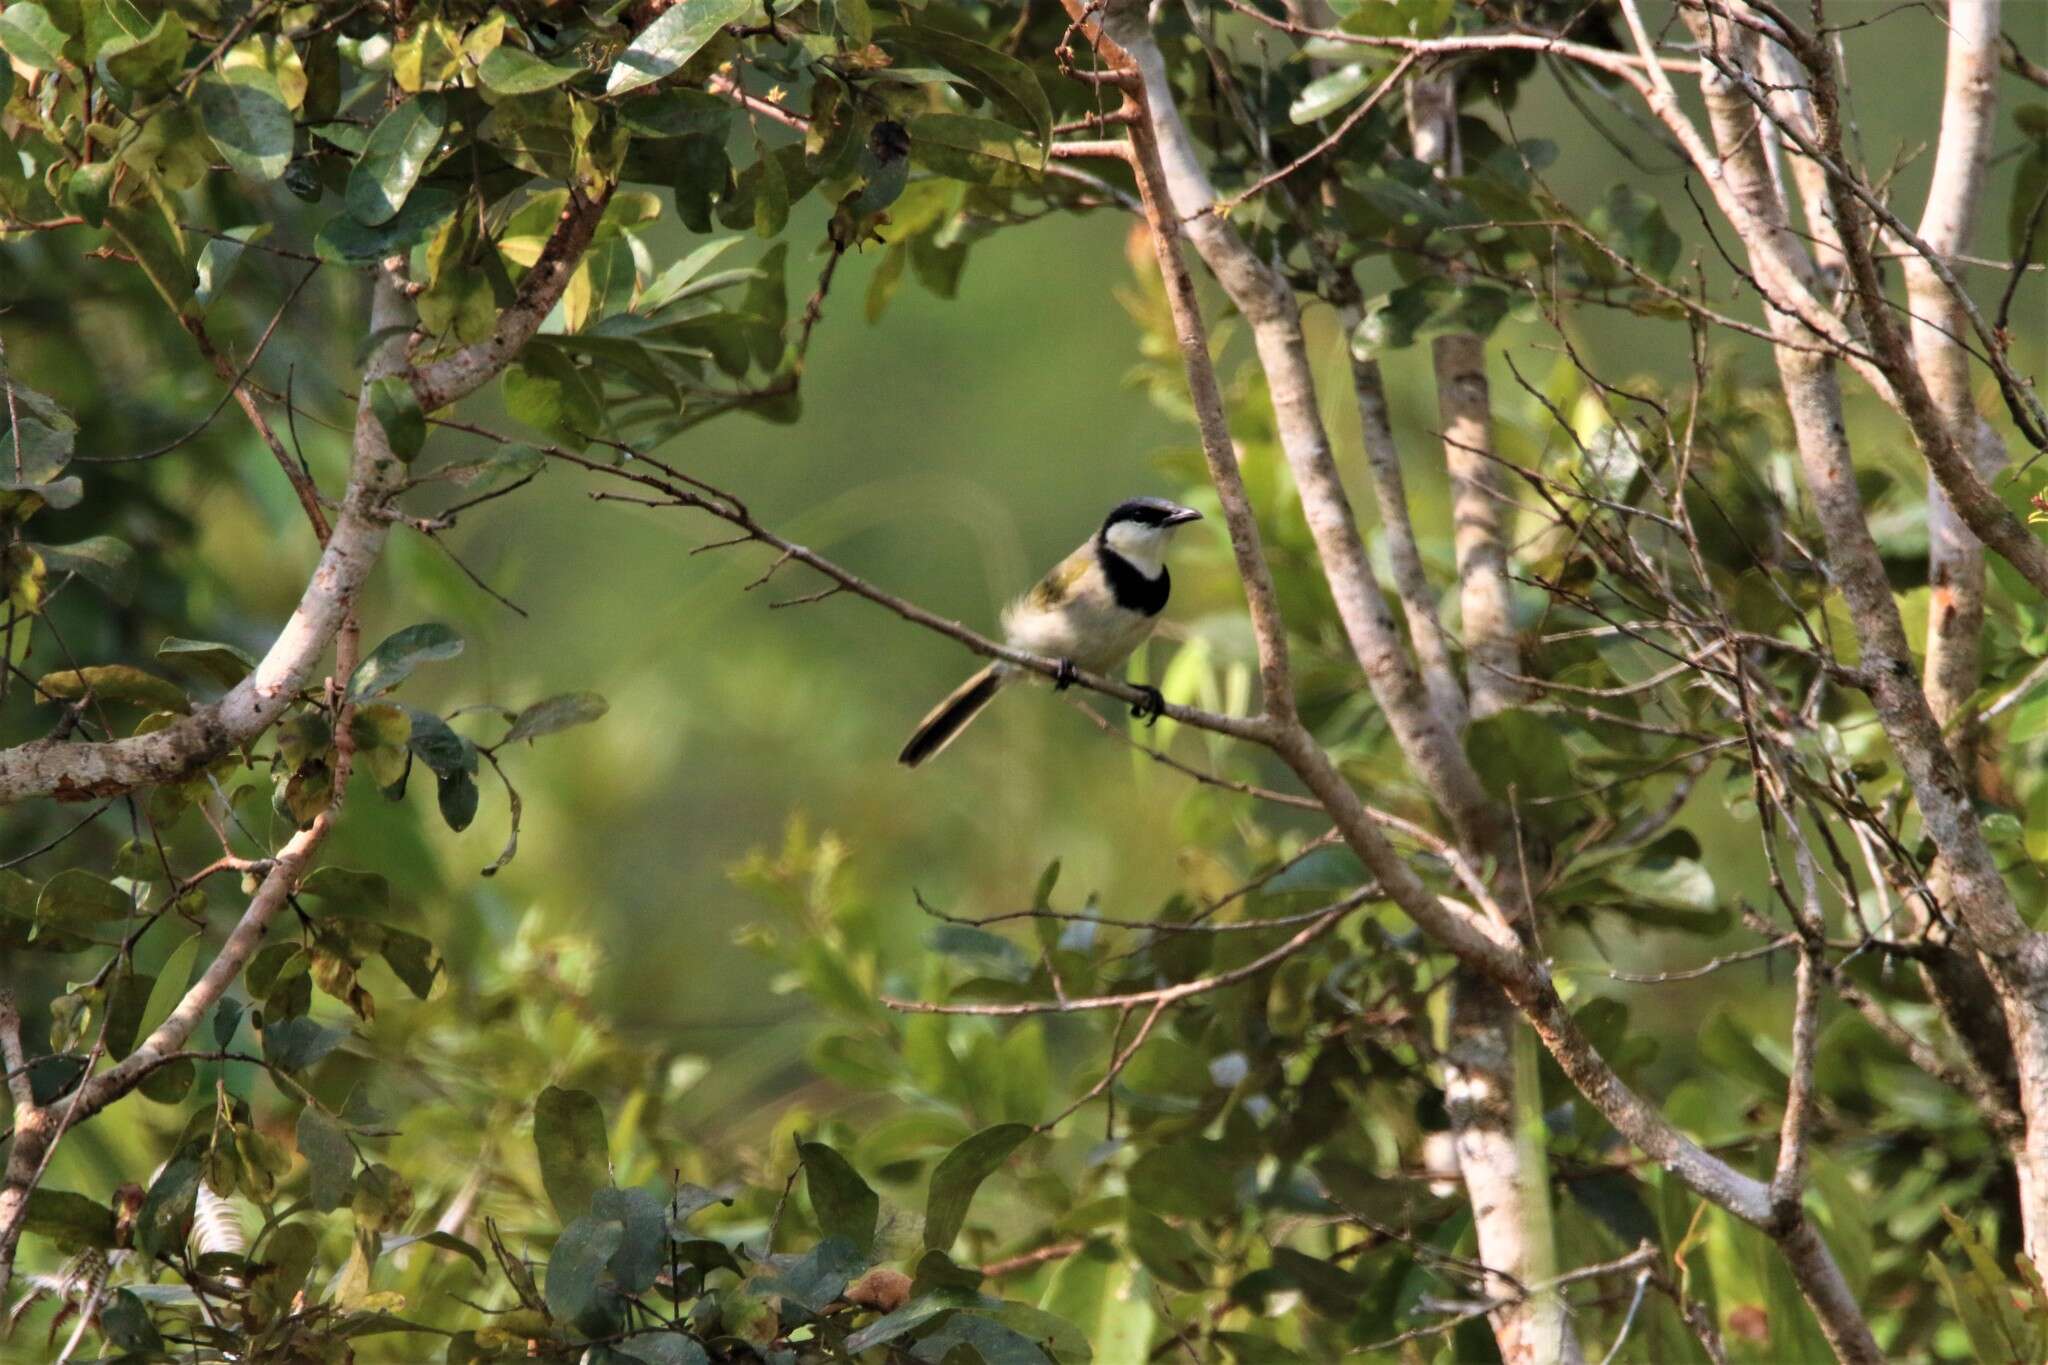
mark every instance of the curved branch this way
{"type": "Point", "coordinates": [80, 771]}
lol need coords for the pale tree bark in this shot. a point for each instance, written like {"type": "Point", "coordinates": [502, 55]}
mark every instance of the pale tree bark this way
{"type": "Point", "coordinates": [1433, 650]}
{"type": "Point", "coordinates": [1482, 497]}
{"type": "Point", "coordinates": [1480, 939]}
{"type": "Point", "coordinates": [1955, 557]}
{"type": "Point", "coordinates": [1955, 982]}
{"type": "Point", "coordinates": [2015, 958]}
{"type": "Point", "coordinates": [1510, 1204]}
{"type": "Point", "coordinates": [1503, 1177]}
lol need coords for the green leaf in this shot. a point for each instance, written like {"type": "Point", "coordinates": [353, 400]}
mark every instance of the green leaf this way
{"type": "Point", "coordinates": [75, 898]}
{"type": "Point", "coordinates": [446, 1241]}
{"type": "Point", "coordinates": [224, 664]}
{"type": "Point", "coordinates": [983, 1338]}
{"type": "Point", "coordinates": [845, 1206]}
{"type": "Point", "coordinates": [114, 682]}
{"type": "Point", "coordinates": [960, 1175]}
{"type": "Point", "coordinates": [89, 189]}
{"type": "Point", "coordinates": [1327, 94]}
{"type": "Point", "coordinates": [665, 1348]}
{"type": "Point", "coordinates": [550, 392]}
{"type": "Point", "coordinates": [578, 1289]}
{"type": "Point", "coordinates": [439, 747]}
{"type": "Point", "coordinates": [1431, 307]}
{"type": "Point", "coordinates": [1668, 872]}
{"type": "Point", "coordinates": [147, 59]}
{"type": "Point", "coordinates": [72, 1221]}
{"type": "Point", "coordinates": [974, 149]}
{"type": "Point", "coordinates": [457, 796]}
{"type": "Point", "coordinates": [817, 1277]}
{"type": "Point", "coordinates": [171, 980]}
{"type": "Point", "coordinates": [569, 1136]}
{"type": "Point", "coordinates": [105, 562]}
{"type": "Point", "coordinates": [393, 661]}
{"type": "Point", "coordinates": [557, 713]}
{"type": "Point", "coordinates": [396, 153]}
{"type": "Point", "coordinates": [676, 113]}
{"type": "Point", "coordinates": [1191, 1178]}
{"type": "Point", "coordinates": [662, 48]}
{"type": "Point", "coordinates": [910, 1316]}
{"type": "Point", "coordinates": [1171, 1255]}
{"type": "Point", "coordinates": [397, 410]}
{"type": "Point", "coordinates": [330, 1159]}
{"type": "Point", "coordinates": [1519, 751]}
{"type": "Point", "coordinates": [1096, 1292]}
{"type": "Point", "coordinates": [856, 22]}
{"type": "Point", "coordinates": [144, 234]}
{"type": "Point", "coordinates": [219, 257]}
{"type": "Point", "coordinates": [226, 1019]}
{"type": "Point", "coordinates": [515, 71]}
{"type": "Point", "coordinates": [167, 1209]}
{"type": "Point", "coordinates": [1007, 82]}
{"type": "Point", "coordinates": [299, 1043]}
{"type": "Point", "coordinates": [643, 1250]}
{"type": "Point", "coordinates": [245, 114]}
{"type": "Point", "coordinates": [43, 435]}
{"type": "Point", "coordinates": [412, 960]}
{"type": "Point", "coordinates": [2029, 187]}
{"type": "Point", "coordinates": [345, 241]}
{"type": "Point", "coordinates": [124, 1321]}
{"type": "Point", "coordinates": [1984, 1302]}
{"type": "Point", "coordinates": [28, 36]}
{"type": "Point", "coordinates": [346, 890]}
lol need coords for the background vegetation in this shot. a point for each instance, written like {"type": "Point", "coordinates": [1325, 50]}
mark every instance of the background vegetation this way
{"type": "Point", "coordinates": [717, 879]}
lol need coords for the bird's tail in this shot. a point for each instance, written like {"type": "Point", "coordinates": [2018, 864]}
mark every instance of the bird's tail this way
{"type": "Point", "coordinates": [950, 717]}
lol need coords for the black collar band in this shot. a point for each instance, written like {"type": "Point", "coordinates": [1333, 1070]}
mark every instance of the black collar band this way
{"type": "Point", "coordinates": [1131, 589]}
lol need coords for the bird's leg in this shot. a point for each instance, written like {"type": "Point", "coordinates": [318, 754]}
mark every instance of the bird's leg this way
{"type": "Point", "coordinates": [1066, 677]}
{"type": "Point", "coordinates": [1149, 706]}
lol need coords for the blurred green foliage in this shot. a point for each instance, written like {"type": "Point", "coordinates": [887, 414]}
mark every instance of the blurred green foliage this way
{"type": "Point", "coordinates": [616, 1054]}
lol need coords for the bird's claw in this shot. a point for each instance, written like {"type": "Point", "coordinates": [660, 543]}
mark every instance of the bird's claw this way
{"type": "Point", "coordinates": [1149, 706]}
{"type": "Point", "coordinates": [1066, 676]}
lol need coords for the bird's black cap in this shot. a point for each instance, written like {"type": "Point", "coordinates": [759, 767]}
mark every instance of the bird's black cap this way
{"type": "Point", "coordinates": [1150, 512]}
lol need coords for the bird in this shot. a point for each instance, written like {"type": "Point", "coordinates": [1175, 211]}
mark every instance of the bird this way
{"type": "Point", "coordinates": [1095, 607]}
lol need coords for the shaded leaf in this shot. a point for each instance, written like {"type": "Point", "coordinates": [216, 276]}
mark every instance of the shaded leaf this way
{"type": "Point", "coordinates": [72, 1221]}
{"type": "Point", "coordinates": [330, 1160]}
{"type": "Point", "coordinates": [75, 898]}
{"type": "Point", "coordinates": [679, 34]}
{"type": "Point", "coordinates": [393, 661]}
{"type": "Point", "coordinates": [298, 1043]}
{"type": "Point", "coordinates": [515, 71]}
{"type": "Point", "coordinates": [578, 1288]}
{"type": "Point", "coordinates": [224, 664]}
{"type": "Point", "coordinates": [166, 1212]}
{"type": "Point", "coordinates": [845, 1206]}
{"type": "Point", "coordinates": [397, 411]}
{"type": "Point", "coordinates": [960, 1175]}
{"type": "Point", "coordinates": [106, 562]}
{"type": "Point", "coordinates": [114, 682]}
{"type": "Point", "coordinates": [575, 1160]}
{"type": "Point", "coordinates": [393, 158]}
{"type": "Point", "coordinates": [819, 1275]}
{"type": "Point", "coordinates": [557, 713]}
{"type": "Point", "coordinates": [245, 114]}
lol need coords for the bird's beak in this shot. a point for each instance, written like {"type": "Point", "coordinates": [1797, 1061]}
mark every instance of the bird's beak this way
{"type": "Point", "coordinates": [1182, 516]}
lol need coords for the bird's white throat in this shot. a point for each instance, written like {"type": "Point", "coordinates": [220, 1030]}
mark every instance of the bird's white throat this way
{"type": "Point", "coordinates": [1142, 547]}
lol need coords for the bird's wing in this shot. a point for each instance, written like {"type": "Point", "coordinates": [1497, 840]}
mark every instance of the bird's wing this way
{"type": "Point", "coordinates": [1057, 587]}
